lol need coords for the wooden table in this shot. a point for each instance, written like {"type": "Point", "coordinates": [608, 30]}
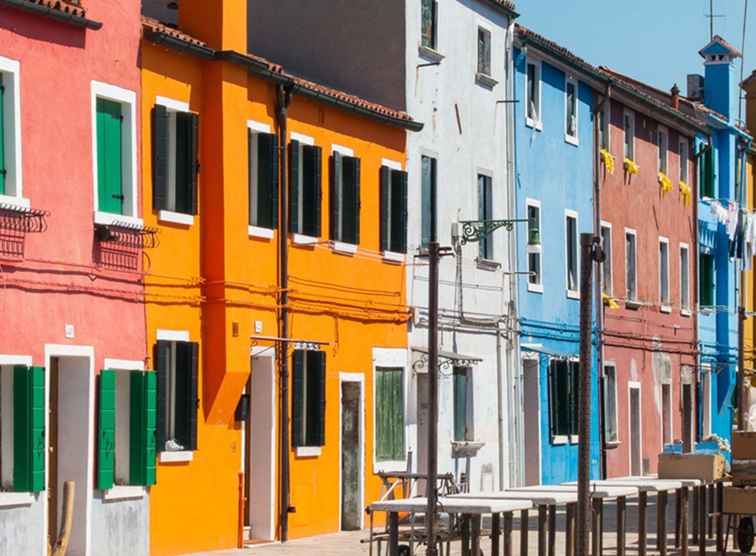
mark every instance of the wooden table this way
{"type": "Point", "coordinates": [471, 509]}
{"type": "Point", "coordinates": [545, 501]}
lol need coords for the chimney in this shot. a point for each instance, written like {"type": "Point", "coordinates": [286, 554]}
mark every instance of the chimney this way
{"type": "Point", "coordinates": [675, 97]}
{"type": "Point", "coordinates": [695, 87]}
{"type": "Point", "coordinates": [222, 24]}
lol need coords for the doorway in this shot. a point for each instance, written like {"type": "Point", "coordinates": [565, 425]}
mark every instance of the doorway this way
{"type": "Point", "coordinates": [532, 421]}
{"type": "Point", "coordinates": [260, 447]}
{"type": "Point", "coordinates": [351, 454]}
{"type": "Point", "coordinates": [636, 453]}
{"type": "Point", "coordinates": [687, 417]}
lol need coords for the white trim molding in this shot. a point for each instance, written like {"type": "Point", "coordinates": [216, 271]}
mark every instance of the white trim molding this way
{"type": "Point", "coordinates": [309, 451]}
{"type": "Point", "coordinates": [393, 164]}
{"type": "Point", "coordinates": [301, 138]}
{"type": "Point", "coordinates": [124, 493]}
{"type": "Point", "coordinates": [123, 364]}
{"type": "Point", "coordinates": [176, 457]}
{"type": "Point", "coordinates": [345, 151]}
{"type": "Point", "coordinates": [391, 358]}
{"type": "Point", "coordinates": [572, 294]}
{"type": "Point", "coordinates": [360, 379]}
{"type": "Point", "coordinates": [260, 232]}
{"type": "Point", "coordinates": [171, 104]}
{"type": "Point", "coordinates": [536, 124]}
{"type": "Point", "coordinates": [14, 181]}
{"type": "Point", "coordinates": [180, 218]}
{"type": "Point", "coordinates": [172, 335]}
{"type": "Point", "coordinates": [258, 127]}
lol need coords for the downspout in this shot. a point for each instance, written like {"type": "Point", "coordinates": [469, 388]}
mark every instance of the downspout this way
{"type": "Point", "coordinates": [284, 94]}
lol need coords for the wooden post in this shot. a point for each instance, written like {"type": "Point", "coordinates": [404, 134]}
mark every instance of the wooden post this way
{"type": "Point", "coordinates": [662, 533]}
{"type": "Point", "coordinates": [642, 505]}
{"type": "Point", "coordinates": [569, 530]}
{"type": "Point", "coordinates": [597, 528]}
{"type": "Point", "coordinates": [621, 526]}
{"type": "Point", "coordinates": [696, 508]}
{"type": "Point", "coordinates": [720, 517]}
{"type": "Point", "coordinates": [683, 494]}
{"type": "Point", "coordinates": [393, 543]}
{"type": "Point", "coordinates": [702, 519]}
{"type": "Point", "coordinates": [552, 530]}
{"type": "Point", "coordinates": [678, 510]}
{"type": "Point", "coordinates": [508, 534]}
{"type": "Point", "coordinates": [541, 530]}
{"type": "Point", "coordinates": [495, 534]}
{"type": "Point", "coordinates": [475, 521]}
{"type": "Point", "coordinates": [524, 533]}
{"type": "Point", "coordinates": [710, 510]}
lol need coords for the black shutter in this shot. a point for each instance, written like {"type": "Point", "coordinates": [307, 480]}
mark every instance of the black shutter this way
{"type": "Point", "coordinates": [552, 398]}
{"type": "Point", "coordinates": [184, 163]}
{"type": "Point", "coordinates": [335, 197]}
{"type": "Point", "coordinates": [316, 397]}
{"type": "Point", "coordinates": [267, 180]}
{"type": "Point", "coordinates": [162, 362]}
{"type": "Point", "coordinates": [192, 399]}
{"type": "Point", "coordinates": [574, 395]}
{"type": "Point", "coordinates": [317, 189]}
{"type": "Point", "coordinates": [295, 226]}
{"type": "Point", "coordinates": [356, 200]}
{"type": "Point", "coordinates": [195, 166]}
{"type": "Point", "coordinates": [311, 194]}
{"type": "Point", "coordinates": [160, 157]}
{"type": "Point", "coordinates": [386, 216]}
{"type": "Point", "coordinates": [297, 399]}
{"type": "Point", "coordinates": [399, 211]}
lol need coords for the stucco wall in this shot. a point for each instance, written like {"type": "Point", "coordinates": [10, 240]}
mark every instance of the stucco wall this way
{"type": "Point", "coordinates": [22, 529]}
{"type": "Point", "coordinates": [119, 527]}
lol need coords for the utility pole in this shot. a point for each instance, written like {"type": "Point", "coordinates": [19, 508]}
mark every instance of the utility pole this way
{"type": "Point", "coordinates": [589, 249]}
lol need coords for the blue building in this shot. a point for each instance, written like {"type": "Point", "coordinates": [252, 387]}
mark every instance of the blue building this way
{"type": "Point", "coordinates": [553, 156]}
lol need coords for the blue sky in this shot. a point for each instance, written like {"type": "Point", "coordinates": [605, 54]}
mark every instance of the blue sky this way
{"type": "Point", "coordinates": [656, 41]}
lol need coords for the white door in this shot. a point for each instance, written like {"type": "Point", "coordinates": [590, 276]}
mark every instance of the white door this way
{"type": "Point", "coordinates": [261, 424]}
{"type": "Point", "coordinates": [532, 421]}
{"type": "Point", "coordinates": [636, 454]}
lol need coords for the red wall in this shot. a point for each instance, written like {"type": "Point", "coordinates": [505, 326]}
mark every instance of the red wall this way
{"type": "Point", "coordinates": [58, 281]}
{"type": "Point", "coordinates": [637, 203]}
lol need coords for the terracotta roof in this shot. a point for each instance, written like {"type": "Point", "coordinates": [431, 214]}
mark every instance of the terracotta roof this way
{"type": "Point", "coordinates": [68, 7]}
{"type": "Point", "coordinates": [315, 89]}
{"type": "Point", "coordinates": [508, 5]}
{"type": "Point", "coordinates": [748, 80]}
{"type": "Point", "coordinates": [726, 45]}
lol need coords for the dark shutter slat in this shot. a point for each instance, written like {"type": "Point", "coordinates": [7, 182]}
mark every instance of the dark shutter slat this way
{"type": "Point", "coordinates": [142, 452]}
{"type": "Point", "coordinates": [28, 429]}
{"type": "Point", "coordinates": [381, 411]}
{"type": "Point", "coordinates": [267, 180]}
{"type": "Point", "coordinates": [317, 376]}
{"type": "Point", "coordinates": [356, 199]}
{"type": "Point", "coordinates": [399, 211]}
{"type": "Point", "coordinates": [192, 400]}
{"type": "Point", "coordinates": [386, 216]}
{"type": "Point", "coordinates": [335, 199]}
{"type": "Point", "coordinates": [294, 188]}
{"type": "Point", "coordinates": [317, 189]}
{"type": "Point", "coordinates": [195, 165]}
{"type": "Point", "coordinates": [251, 192]}
{"type": "Point", "coordinates": [297, 399]}
{"type": "Point", "coordinates": [162, 360]}
{"type": "Point", "coordinates": [552, 398]}
{"type": "Point", "coordinates": [182, 164]}
{"type": "Point", "coordinates": [274, 179]}
{"type": "Point", "coordinates": [160, 122]}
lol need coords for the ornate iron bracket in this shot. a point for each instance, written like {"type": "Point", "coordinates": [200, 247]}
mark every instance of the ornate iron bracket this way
{"type": "Point", "coordinates": [474, 230]}
{"type": "Point", "coordinates": [128, 235]}
{"type": "Point", "coordinates": [22, 220]}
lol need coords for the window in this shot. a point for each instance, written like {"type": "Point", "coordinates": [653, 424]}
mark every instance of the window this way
{"type": "Point", "coordinates": [684, 279]}
{"type": "Point", "coordinates": [484, 51]}
{"type": "Point", "coordinates": [707, 175]}
{"type": "Point", "coordinates": [345, 198]}
{"type": "Point", "coordinates": [393, 210]}
{"type": "Point", "coordinates": [664, 273]}
{"type": "Point", "coordinates": [485, 213]}
{"type": "Point", "coordinates": [606, 265]}
{"type": "Point", "coordinates": [263, 178]}
{"type": "Point", "coordinates": [631, 285]}
{"type": "Point", "coordinates": [610, 404]}
{"type": "Point", "coordinates": [564, 377]}
{"type": "Point", "coordinates": [126, 426]}
{"type": "Point", "coordinates": [683, 161]}
{"type": "Point", "coordinates": [533, 94]}
{"type": "Point", "coordinates": [10, 134]}
{"type": "Point", "coordinates": [629, 126]}
{"type": "Point", "coordinates": [305, 167]}
{"type": "Point", "coordinates": [571, 112]}
{"type": "Point", "coordinates": [429, 32]}
{"type": "Point", "coordinates": [428, 194]}
{"type": "Point", "coordinates": [389, 419]}
{"type": "Point", "coordinates": [603, 126]}
{"type": "Point", "coordinates": [463, 415]}
{"type": "Point", "coordinates": [662, 145]}
{"type": "Point", "coordinates": [177, 365]}
{"type": "Point", "coordinates": [114, 146]}
{"type": "Point", "coordinates": [174, 159]}
{"type": "Point", "coordinates": [309, 398]}
{"type": "Point", "coordinates": [535, 250]}
{"type": "Point", "coordinates": [22, 428]}
{"type": "Point", "coordinates": [571, 253]}
{"type": "Point", "coordinates": [666, 398]}
{"type": "Point", "coordinates": [706, 280]}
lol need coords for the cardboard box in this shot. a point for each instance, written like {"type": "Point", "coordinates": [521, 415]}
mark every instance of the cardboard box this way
{"type": "Point", "coordinates": [744, 445]}
{"type": "Point", "coordinates": [739, 500]}
{"type": "Point", "coordinates": [706, 467]}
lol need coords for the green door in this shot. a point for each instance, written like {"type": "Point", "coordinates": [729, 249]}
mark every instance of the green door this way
{"type": "Point", "coordinates": [109, 156]}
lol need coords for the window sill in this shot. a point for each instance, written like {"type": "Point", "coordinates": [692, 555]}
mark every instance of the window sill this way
{"type": "Point", "coordinates": [304, 240]}
{"type": "Point", "coordinates": [485, 80]}
{"type": "Point", "coordinates": [573, 294]}
{"type": "Point", "coordinates": [466, 448]}
{"type": "Point", "coordinates": [172, 217]}
{"type": "Point", "coordinates": [574, 439]}
{"type": "Point", "coordinates": [19, 204]}
{"type": "Point", "coordinates": [389, 466]}
{"type": "Point", "coordinates": [124, 493]}
{"type": "Point", "coordinates": [393, 257]}
{"type": "Point", "coordinates": [309, 451]}
{"type": "Point", "coordinates": [574, 141]}
{"type": "Point", "coordinates": [430, 54]}
{"type": "Point", "coordinates": [560, 440]}
{"type": "Point", "coordinates": [343, 248]}
{"type": "Point", "coordinates": [487, 264]}
{"type": "Point", "coordinates": [535, 288]}
{"type": "Point", "coordinates": [665, 309]}
{"type": "Point", "coordinates": [176, 457]}
{"type": "Point", "coordinates": [706, 309]}
{"type": "Point", "coordinates": [260, 233]}
{"type": "Point", "coordinates": [632, 305]}
{"type": "Point", "coordinates": [110, 219]}
{"type": "Point", "coordinates": [685, 312]}
{"type": "Point", "coordinates": [612, 445]}
{"type": "Point", "coordinates": [8, 499]}
{"type": "Point", "coordinates": [537, 125]}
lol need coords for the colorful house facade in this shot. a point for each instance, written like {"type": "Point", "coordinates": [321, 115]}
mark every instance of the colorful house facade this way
{"type": "Point", "coordinates": [72, 251]}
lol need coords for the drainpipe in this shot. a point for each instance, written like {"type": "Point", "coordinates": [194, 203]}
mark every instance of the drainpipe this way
{"type": "Point", "coordinates": [284, 94]}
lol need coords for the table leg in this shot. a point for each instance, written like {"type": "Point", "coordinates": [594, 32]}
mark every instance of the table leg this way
{"type": "Point", "coordinates": [552, 530]}
{"type": "Point", "coordinates": [495, 534]}
{"type": "Point", "coordinates": [702, 520]}
{"type": "Point", "coordinates": [508, 534]}
{"type": "Point", "coordinates": [541, 530]}
{"type": "Point", "coordinates": [642, 505]}
{"type": "Point", "coordinates": [621, 502]}
{"type": "Point", "coordinates": [678, 510]}
{"type": "Point", "coordinates": [720, 517]}
{"type": "Point", "coordinates": [683, 495]}
{"type": "Point", "coordinates": [393, 543]}
{"type": "Point", "coordinates": [524, 533]}
{"type": "Point", "coordinates": [476, 519]}
{"type": "Point", "coordinates": [569, 531]}
{"type": "Point", "coordinates": [662, 532]}
{"type": "Point", "coordinates": [597, 528]}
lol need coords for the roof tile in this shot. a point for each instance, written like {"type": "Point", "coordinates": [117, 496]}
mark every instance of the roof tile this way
{"type": "Point", "coordinates": [68, 7]}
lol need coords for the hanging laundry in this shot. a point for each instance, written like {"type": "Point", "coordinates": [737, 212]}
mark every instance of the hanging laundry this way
{"type": "Point", "coordinates": [718, 212]}
{"type": "Point", "coordinates": [732, 220]}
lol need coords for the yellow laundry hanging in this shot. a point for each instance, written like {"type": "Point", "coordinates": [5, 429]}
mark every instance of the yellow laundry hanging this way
{"type": "Point", "coordinates": [665, 183]}
{"type": "Point", "coordinates": [608, 160]}
{"type": "Point", "coordinates": [685, 193]}
{"type": "Point", "coordinates": [609, 302]}
{"type": "Point", "coordinates": [631, 167]}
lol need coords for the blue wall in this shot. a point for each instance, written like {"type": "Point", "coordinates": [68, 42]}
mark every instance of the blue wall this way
{"type": "Point", "coordinates": [560, 176]}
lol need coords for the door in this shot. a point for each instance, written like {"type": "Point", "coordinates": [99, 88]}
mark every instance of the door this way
{"type": "Point", "coordinates": [52, 477]}
{"type": "Point", "coordinates": [687, 417]}
{"type": "Point", "coordinates": [635, 431]}
{"type": "Point", "coordinates": [532, 422]}
{"type": "Point", "coordinates": [351, 488]}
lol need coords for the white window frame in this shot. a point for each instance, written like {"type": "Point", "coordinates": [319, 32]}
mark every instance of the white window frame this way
{"type": "Point", "coordinates": [616, 441]}
{"type": "Point", "coordinates": [390, 358]}
{"type": "Point", "coordinates": [12, 111]}
{"type": "Point", "coordinates": [6, 473]}
{"type": "Point", "coordinates": [608, 285]}
{"type": "Point", "coordinates": [628, 113]}
{"type": "Point", "coordinates": [535, 249]}
{"type": "Point", "coordinates": [480, 26]}
{"type": "Point", "coordinates": [297, 238]}
{"type": "Point", "coordinates": [634, 233]}
{"type": "Point", "coordinates": [166, 456]}
{"type": "Point", "coordinates": [662, 158]}
{"type": "Point", "coordinates": [341, 246]}
{"type": "Point", "coordinates": [538, 123]}
{"type": "Point", "coordinates": [684, 151]}
{"type": "Point", "coordinates": [257, 232]}
{"type": "Point", "coordinates": [665, 305]}
{"type": "Point", "coordinates": [572, 294]}
{"type": "Point", "coordinates": [684, 270]}
{"type": "Point", "coordinates": [128, 100]}
{"type": "Point", "coordinates": [572, 139]}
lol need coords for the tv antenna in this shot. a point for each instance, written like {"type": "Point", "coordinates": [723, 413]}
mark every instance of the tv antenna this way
{"type": "Point", "coordinates": [712, 16]}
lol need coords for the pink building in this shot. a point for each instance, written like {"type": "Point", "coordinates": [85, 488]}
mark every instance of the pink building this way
{"type": "Point", "coordinates": [72, 254]}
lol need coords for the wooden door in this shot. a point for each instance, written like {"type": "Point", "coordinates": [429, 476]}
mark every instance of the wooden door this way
{"type": "Point", "coordinates": [351, 461]}
{"type": "Point", "coordinates": [635, 432]}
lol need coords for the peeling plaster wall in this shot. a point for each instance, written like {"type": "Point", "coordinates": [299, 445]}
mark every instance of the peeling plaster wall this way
{"type": "Point", "coordinates": [21, 529]}
{"type": "Point", "coordinates": [120, 527]}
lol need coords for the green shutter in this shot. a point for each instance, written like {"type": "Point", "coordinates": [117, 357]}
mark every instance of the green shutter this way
{"type": "Point", "coordinates": [316, 398]}
{"type": "Point", "coordinates": [389, 414]}
{"type": "Point", "coordinates": [396, 422]}
{"type": "Point", "coordinates": [160, 157]}
{"type": "Point", "coordinates": [706, 281]}
{"type": "Point", "coordinates": [109, 156]}
{"type": "Point", "coordinates": [563, 398]}
{"type": "Point", "coordinates": [382, 412]}
{"type": "Point", "coordinates": [162, 358]}
{"type": "Point", "coordinates": [294, 187]}
{"type": "Point", "coordinates": [552, 375]}
{"type": "Point", "coordinates": [28, 429]}
{"type": "Point", "coordinates": [297, 409]}
{"type": "Point", "coordinates": [428, 184]}
{"type": "Point", "coordinates": [350, 195]}
{"type": "Point", "coordinates": [142, 451]}
{"type": "Point", "coordinates": [386, 213]}
{"type": "Point", "coordinates": [3, 168]}
{"type": "Point", "coordinates": [335, 200]}
{"type": "Point", "coordinates": [399, 211]}
{"type": "Point", "coordinates": [460, 404]}
{"type": "Point", "coordinates": [106, 430]}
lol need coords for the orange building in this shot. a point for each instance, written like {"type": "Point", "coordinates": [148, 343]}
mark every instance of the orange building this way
{"type": "Point", "coordinates": [241, 317]}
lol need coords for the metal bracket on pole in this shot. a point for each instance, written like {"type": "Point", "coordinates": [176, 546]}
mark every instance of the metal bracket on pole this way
{"type": "Point", "coordinates": [475, 230]}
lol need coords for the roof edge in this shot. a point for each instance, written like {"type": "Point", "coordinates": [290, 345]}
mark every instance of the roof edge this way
{"type": "Point", "coordinates": [46, 11]}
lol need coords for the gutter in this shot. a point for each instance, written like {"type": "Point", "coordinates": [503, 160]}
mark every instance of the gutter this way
{"type": "Point", "coordinates": [75, 20]}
